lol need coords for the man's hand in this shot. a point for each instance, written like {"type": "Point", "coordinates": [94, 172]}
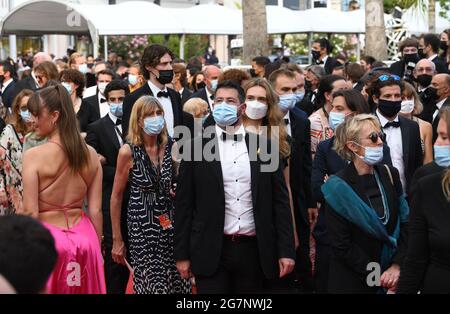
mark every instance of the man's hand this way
{"type": "Point", "coordinates": [184, 268]}
{"type": "Point", "coordinates": [286, 266]}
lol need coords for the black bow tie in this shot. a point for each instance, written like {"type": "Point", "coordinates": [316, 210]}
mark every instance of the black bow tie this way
{"type": "Point", "coordinates": [286, 121]}
{"type": "Point", "coordinates": [319, 62]}
{"type": "Point", "coordinates": [211, 97]}
{"type": "Point", "coordinates": [103, 100]}
{"type": "Point", "coordinates": [235, 137]}
{"type": "Point", "coordinates": [164, 94]}
{"type": "Point", "coordinates": [118, 122]}
{"type": "Point", "coordinates": [393, 124]}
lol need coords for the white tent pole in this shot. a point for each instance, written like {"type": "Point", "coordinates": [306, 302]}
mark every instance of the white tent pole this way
{"type": "Point", "coordinates": [182, 42]}
{"type": "Point", "coordinates": [310, 39]}
{"type": "Point", "coordinates": [105, 38]}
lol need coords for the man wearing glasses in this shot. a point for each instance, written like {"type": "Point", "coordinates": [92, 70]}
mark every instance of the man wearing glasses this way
{"type": "Point", "coordinates": [401, 135]}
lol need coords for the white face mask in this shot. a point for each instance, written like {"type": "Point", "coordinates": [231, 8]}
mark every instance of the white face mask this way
{"type": "Point", "coordinates": [407, 106]}
{"type": "Point", "coordinates": [102, 87]}
{"type": "Point", "coordinates": [256, 110]}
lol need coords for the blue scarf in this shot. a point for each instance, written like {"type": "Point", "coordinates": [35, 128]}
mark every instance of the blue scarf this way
{"type": "Point", "coordinates": [344, 200]}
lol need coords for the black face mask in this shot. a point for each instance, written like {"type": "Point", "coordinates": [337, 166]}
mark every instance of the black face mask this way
{"type": "Point", "coordinates": [2, 78]}
{"type": "Point", "coordinates": [253, 73]}
{"type": "Point", "coordinates": [201, 85]}
{"type": "Point", "coordinates": [308, 85]}
{"type": "Point", "coordinates": [411, 58]}
{"type": "Point", "coordinates": [165, 76]}
{"type": "Point", "coordinates": [421, 53]}
{"type": "Point", "coordinates": [424, 80]}
{"type": "Point", "coordinates": [90, 65]}
{"type": "Point", "coordinates": [443, 45]}
{"type": "Point", "coordinates": [389, 108]}
{"type": "Point", "coordinates": [315, 55]}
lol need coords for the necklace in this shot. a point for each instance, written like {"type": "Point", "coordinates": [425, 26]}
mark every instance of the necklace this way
{"type": "Point", "coordinates": [386, 215]}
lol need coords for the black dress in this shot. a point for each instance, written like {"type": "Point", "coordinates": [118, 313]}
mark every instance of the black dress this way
{"type": "Point", "coordinates": [427, 263]}
{"type": "Point", "coordinates": [150, 225]}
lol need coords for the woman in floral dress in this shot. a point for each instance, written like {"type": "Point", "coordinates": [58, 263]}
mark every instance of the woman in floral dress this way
{"type": "Point", "coordinates": [11, 149]}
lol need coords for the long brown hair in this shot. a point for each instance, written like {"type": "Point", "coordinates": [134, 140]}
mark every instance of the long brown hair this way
{"type": "Point", "coordinates": [274, 117]}
{"type": "Point", "coordinates": [16, 119]}
{"type": "Point", "coordinates": [445, 115]}
{"type": "Point", "coordinates": [56, 98]}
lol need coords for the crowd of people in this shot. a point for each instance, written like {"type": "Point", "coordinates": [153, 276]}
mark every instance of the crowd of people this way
{"type": "Point", "coordinates": [105, 174]}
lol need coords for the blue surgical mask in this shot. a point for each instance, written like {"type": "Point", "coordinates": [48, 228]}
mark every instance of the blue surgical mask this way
{"type": "Point", "coordinates": [299, 96]}
{"type": "Point", "coordinates": [373, 155]}
{"type": "Point", "coordinates": [336, 119]}
{"type": "Point", "coordinates": [67, 86]}
{"type": "Point", "coordinates": [154, 125]}
{"type": "Point", "coordinates": [132, 79]}
{"type": "Point", "coordinates": [225, 114]}
{"type": "Point", "coordinates": [116, 109]}
{"type": "Point", "coordinates": [287, 102]}
{"type": "Point", "coordinates": [442, 155]}
{"type": "Point", "coordinates": [26, 115]}
{"type": "Point", "coordinates": [214, 84]}
{"type": "Point", "coordinates": [83, 68]}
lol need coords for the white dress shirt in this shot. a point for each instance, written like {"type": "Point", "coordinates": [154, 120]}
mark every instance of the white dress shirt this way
{"type": "Point", "coordinates": [166, 103]}
{"type": "Point", "coordinates": [90, 91]}
{"type": "Point", "coordinates": [395, 142]}
{"type": "Point", "coordinates": [432, 57]}
{"type": "Point", "coordinates": [210, 101]}
{"type": "Point", "coordinates": [439, 105]}
{"type": "Point", "coordinates": [5, 84]}
{"type": "Point", "coordinates": [119, 127]}
{"type": "Point", "coordinates": [237, 183]}
{"type": "Point", "coordinates": [288, 126]}
{"type": "Point", "coordinates": [324, 60]}
{"type": "Point", "coordinates": [104, 106]}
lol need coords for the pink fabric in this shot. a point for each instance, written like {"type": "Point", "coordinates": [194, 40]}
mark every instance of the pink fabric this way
{"type": "Point", "coordinates": [79, 267]}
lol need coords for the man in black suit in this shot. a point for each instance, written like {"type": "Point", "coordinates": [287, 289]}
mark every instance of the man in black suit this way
{"type": "Point", "coordinates": [157, 69]}
{"type": "Point", "coordinates": [423, 75]}
{"type": "Point", "coordinates": [429, 48]}
{"type": "Point", "coordinates": [233, 225]}
{"type": "Point", "coordinates": [212, 74]}
{"type": "Point", "coordinates": [95, 107]}
{"type": "Point", "coordinates": [321, 49]}
{"type": "Point", "coordinates": [298, 127]}
{"type": "Point", "coordinates": [30, 82]}
{"type": "Point", "coordinates": [401, 135]}
{"type": "Point", "coordinates": [405, 66]}
{"type": "Point", "coordinates": [441, 87]}
{"type": "Point", "coordinates": [8, 82]}
{"type": "Point", "coordinates": [105, 136]}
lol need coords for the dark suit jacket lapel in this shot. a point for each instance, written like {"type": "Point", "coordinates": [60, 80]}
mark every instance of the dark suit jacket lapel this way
{"type": "Point", "coordinates": [96, 105]}
{"type": "Point", "coordinates": [405, 141]}
{"type": "Point", "coordinates": [176, 107]}
{"type": "Point", "coordinates": [293, 123]}
{"type": "Point", "coordinates": [110, 129]}
{"type": "Point", "coordinates": [254, 166]}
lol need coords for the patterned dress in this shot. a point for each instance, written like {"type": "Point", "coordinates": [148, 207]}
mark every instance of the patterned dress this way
{"type": "Point", "coordinates": [150, 226]}
{"type": "Point", "coordinates": [11, 169]}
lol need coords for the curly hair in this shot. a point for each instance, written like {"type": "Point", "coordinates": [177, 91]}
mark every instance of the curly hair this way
{"type": "Point", "coordinates": [152, 57]}
{"type": "Point", "coordinates": [76, 77]}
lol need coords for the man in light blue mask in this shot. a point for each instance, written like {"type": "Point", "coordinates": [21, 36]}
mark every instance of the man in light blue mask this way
{"type": "Point", "coordinates": [240, 210]}
{"type": "Point", "coordinates": [299, 128]}
{"type": "Point", "coordinates": [212, 73]}
{"type": "Point", "coordinates": [105, 136]}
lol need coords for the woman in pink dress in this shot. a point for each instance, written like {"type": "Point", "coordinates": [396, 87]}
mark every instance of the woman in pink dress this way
{"type": "Point", "coordinates": [58, 176]}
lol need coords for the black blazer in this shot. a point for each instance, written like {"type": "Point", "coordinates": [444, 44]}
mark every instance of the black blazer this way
{"type": "Point", "coordinates": [89, 112]}
{"type": "Point", "coordinates": [180, 117]}
{"type": "Point", "coordinates": [201, 93]}
{"type": "Point", "coordinates": [424, 171]}
{"type": "Point", "coordinates": [300, 164]}
{"type": "Point", "coordinates": [8, 94]}
{"type": "Point", "coordinates": [441, 66]}
{"type": "Point", "coordinates": [200, 211]}
{"type": "Point", "coordinates": [330, 65]}
{"type": "Point", "coordinates": [398, 68]}
{"type": "Point", "coordinates": [26, 83]}
{"type": "Point", "coordinates": [2, 125]}
{"type": "Point", "coordinates": [328, 162]}
{"type": "Point", "coordinates": [101, 135]}
{"type": "Point", "coordinates": [436, 120]}
{"type": "Point", "coordinates": [185, 96]}
{"type": "Point", "coordinates": [352, 248]}
{"type": "Point", "coordinates": [427, 263]}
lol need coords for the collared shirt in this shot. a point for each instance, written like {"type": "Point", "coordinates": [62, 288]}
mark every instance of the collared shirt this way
{"type": "Point", "coordinates": [181, 92]}
{"type": "Point", "coordinates": [210, 101]}
{"type": "Point", "coordinates": [324, 60]}
{"type": "Point", "coordinates": [432, 57]}
{"type": "Point", "coordinates": [288, 125]}
{"type": "Point", "coordinates": [166, 103]}
{"type": "Point", "coordinates": [237, 183]}
{"type": "Point", "coordinates": [395, 142]}
{"type": "Point", "coordinates": [33, 75]}
{"type": "Point", "coordinates": [5, 84]}
{"type": "Point", "coordinates": [118, 128]}
{"type": "Point", "coordinates": [104, 106]}
{"type": "Point", "coordinates": [439, 105]}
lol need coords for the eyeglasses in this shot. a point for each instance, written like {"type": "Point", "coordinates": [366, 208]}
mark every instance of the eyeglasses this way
{"type": "Point", "coordinates": [374, 136]}
{"type": "Point", "coordinates": [386, 77]}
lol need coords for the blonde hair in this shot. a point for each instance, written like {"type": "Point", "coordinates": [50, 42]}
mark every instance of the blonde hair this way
{"type": "Point", "coordinates": [349, 132]}
{"type": "Point", "coordinates": [195, 106]}
{"type": "Point", "coordinates": [145, 106]}
{"type": "Point", "coordinates": [445, 115]}
{"type": "Point", "coordinates": [274, 117]}
{"type": "Point", "coordinates": [409, 92]}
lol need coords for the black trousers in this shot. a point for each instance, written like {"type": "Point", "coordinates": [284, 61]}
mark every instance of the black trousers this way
{"type": "Point", "coordinates": [239, 270]}
{"type": "Point", "coordinates": [322, 269]}
{"type": "Point", "coordinates": [303, 267]}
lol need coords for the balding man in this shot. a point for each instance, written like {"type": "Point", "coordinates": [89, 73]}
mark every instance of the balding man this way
{"type": "Point", "coordinates": [212, 74]}
{"type": "Point", "coordinates": [423, 74]}
{"type": "Point", "coordinates": [440, 85]}
{"type": "Point", "coordinates": [31, 81]}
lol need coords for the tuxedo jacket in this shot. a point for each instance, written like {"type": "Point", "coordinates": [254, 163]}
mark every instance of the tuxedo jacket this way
{"type": "Point", "coordinates": [26, 83]}
{"type": "Point", "coordinates": [330, 65]}
{"type": "Point", "coordinates": [436, 120]}
{"type": "Point", "coordinates": [185, 96]}
{"type": "Point", "coordinates": [89, 112]}
{"type": "Point", "coordinates": [180, 117]}
{"type": "Point", "coordinates": [8, 95]}
{"type": "Point", "coordinates": [201, 93]}
{"type": "Point", "coordinates": [200, 213]}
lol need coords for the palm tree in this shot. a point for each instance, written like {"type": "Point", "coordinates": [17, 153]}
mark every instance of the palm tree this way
{"type": "Point", "coordinates": [376, 45]}
{"type": "Point", "coordinates": [255, 29]}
